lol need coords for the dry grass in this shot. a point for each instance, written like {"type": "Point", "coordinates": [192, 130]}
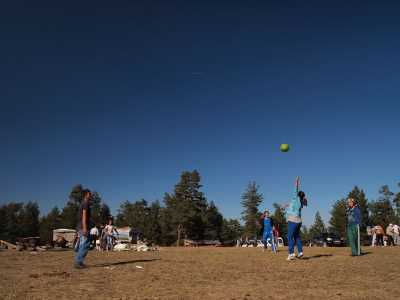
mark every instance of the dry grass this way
{"type": "Point", "coordinates": [202, 273]}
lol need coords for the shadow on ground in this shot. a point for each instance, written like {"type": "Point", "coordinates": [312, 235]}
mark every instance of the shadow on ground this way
{"type": "Point", "coordinates": [125, 262]}
{"type": "Point", "coordinates": [317, 256]}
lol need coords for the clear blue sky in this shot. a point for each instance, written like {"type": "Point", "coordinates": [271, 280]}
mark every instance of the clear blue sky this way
{"type": "Point", "coordinates": [123, 97]}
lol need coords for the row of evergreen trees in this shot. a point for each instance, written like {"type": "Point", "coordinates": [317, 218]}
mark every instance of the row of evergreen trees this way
{"type": "Point", "coordinates": [23, 220]}
{"type": "Point", "coordinates": [383, 211]}
{"type": "Point", "coordinates": [186, 213]}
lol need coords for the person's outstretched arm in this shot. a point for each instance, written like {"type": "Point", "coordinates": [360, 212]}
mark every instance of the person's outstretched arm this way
{"type": "Point", "coordinates": [297, 185]}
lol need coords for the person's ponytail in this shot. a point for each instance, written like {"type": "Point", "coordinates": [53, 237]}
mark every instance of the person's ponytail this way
{"type": "Point", "coordinates": [303, 199]}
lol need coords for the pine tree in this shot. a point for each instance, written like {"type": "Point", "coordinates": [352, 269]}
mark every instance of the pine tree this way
{"type": "Point", "coordinates": [396, 201]}
{"type": "Point", "coordinates": [317, 230]}
{"type": "Point", "coordinates": [280, 221]}
{"type": "Point", "coordinates": [231, 230]}
{"type": "Point", "coordinates": [69, 214]}
{"type": "Point", "coordinates": [305, 234]}
{"type": "Point", "coordinates": [48, 223]}
{"type": "Point", "coordinates": [29, 220]}
{"type": "Point", "coordinates": [185, 209]}
{"type": "Point", "coordinates": [153, 231]}
{"type": "Point", "coordinates": [10, 221]}
{"type": "Point", "coordinates": [133, 214]}
{"type": "Point", "coordinates": [338, 221]}
{"type": "Point", "coordinates": [96, 207]}
{"type": "Point", "coordinates": [213, 223]}
{"type": "Point", "coordinates": [382, 212]}
{"type": "Point", "coordinates": [251, 199]}
{"type": "Point", "coordinates": [104, 214]}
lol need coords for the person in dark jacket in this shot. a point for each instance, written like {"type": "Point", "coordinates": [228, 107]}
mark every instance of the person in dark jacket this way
{"type": "Point", "coordinates": [353, 227]}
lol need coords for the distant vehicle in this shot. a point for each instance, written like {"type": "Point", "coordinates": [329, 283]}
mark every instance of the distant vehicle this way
{"type": "Point", "coordinates": [123, 235]}
{"type": "Point", "coordinates": [64, 237]}
{"type": "Point", "coordinates": [319, 242]}
{"type": "Point", "coordinates": [335, 241]}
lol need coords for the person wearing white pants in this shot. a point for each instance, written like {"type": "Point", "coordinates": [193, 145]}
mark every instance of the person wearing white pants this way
{"type": "Point", "coordinates": [396, 234]}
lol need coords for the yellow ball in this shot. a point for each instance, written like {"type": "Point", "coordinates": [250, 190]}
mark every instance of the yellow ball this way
{"type": "Point", "coordinates": [284, 147]}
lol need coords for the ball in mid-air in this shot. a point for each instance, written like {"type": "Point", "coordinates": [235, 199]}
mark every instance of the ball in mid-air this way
{"type": "Point", "coordinates": [284, 147]}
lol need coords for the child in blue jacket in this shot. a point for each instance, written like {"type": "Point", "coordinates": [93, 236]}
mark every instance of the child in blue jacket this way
{"type": "Point", "coordinates": [267, 227]}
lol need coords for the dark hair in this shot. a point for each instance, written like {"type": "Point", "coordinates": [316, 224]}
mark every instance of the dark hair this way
{"type": "Point", "coordinates": [85, 192]}
{"type": "Point", "coordinates": [302, 197]}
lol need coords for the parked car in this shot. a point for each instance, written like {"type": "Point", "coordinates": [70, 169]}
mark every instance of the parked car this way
{"type": "Point", "coordinates": [319, 242]}
{"type": "Point", "coordinates": [335, 241]}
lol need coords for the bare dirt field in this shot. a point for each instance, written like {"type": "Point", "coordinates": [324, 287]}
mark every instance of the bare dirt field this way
{"type": "Point", "coordinates": [202, 273]}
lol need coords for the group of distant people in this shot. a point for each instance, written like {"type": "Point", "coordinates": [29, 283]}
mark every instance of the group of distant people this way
{"type": "Point", "coordinates": [379, 237]}
{"type": "Point", "coordinates": [102, 237]}
{"type": "Point", "coordinates": [293, 215]}
{"type": "Point", "coordinates": [87, 236]}
{"type": "Point", "coordinates": [294, 222]}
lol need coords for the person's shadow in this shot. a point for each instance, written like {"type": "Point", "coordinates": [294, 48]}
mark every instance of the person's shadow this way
{"type": "Point", "coordinates": [119, 263]}
{"type": "Point", "coordinates": [316, 256]}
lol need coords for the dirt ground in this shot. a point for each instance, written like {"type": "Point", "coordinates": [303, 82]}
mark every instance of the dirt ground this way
{"type": "Point", "coordinates": [202, 273]}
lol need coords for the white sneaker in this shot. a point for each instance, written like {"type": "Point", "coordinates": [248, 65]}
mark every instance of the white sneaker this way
{"type": "Point", "coordinates": [300, 255]}
{"type": "Point", "coordinates": [291, 257]}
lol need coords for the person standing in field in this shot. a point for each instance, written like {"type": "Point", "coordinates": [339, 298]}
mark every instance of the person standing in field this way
{"type": "Point", "coordinates": [353, 227]}
{"type": "Point", "coordinates": [94, 235]}
{"type": "Point", "coordinates": [267, 230]}
{"type": "Point", "coordinates": [109, 233]}
{"type": "Point", "coordinates": [373, 230]}
{"type": "Point", "coordinates": [293, 216]}
{"type": "Point", "coordinates": [396, 234]}
{"type": "Point", "coordinates": [389, 233]}
{"type": "Point", "coordinates": [83, 244]}
{"type": "Point", "coordinates": [369, 234]}
{"type": "Point", "coordinates": [379, 235]}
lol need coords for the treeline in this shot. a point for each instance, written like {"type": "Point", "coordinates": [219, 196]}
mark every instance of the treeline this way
{"type": "Point", "coordinates": [186, 213]}
{"type": "Point", "coordinates": [383, 211]}
{"type": "Point", "coordinates": [23, 220]}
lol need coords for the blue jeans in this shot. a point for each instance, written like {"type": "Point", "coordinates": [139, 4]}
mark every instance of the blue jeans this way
{"type": "Point", "coordinates": [270, 236]}
{"type": "Point", "coordinates": [109, 242]}
{"type": "Point", "coordinates": [294, 237]}
{"type": "Point", "coordinates": [82, 248]}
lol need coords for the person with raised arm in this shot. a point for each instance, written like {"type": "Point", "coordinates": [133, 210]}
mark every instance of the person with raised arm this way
{"type": "Point", "coordinates": [293, 217]}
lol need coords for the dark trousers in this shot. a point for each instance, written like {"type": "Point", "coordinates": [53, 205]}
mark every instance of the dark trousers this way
{"type": "Point", "coordinates": [353, 236]}
{"type": "Point", "coordinates": [379, 240]}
